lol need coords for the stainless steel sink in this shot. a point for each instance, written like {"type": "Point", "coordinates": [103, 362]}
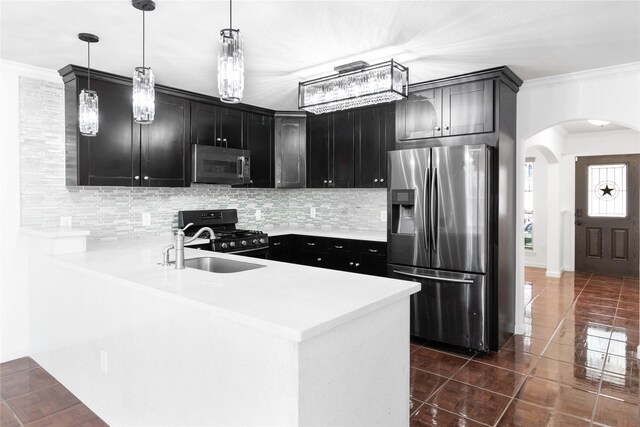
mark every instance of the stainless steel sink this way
{"type": "Point", "coordinates": [220, 265]}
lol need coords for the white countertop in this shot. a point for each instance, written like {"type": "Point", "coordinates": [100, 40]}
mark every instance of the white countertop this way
{"type": "Point", "coordinates": [293, 301]}
{"type": "Point", "coordinates": [340, 233]}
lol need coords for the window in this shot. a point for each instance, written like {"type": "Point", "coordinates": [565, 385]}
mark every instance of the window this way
{"type": "Point", "coordinates": [528, 203]}
{"type": "Point", "coordinates": [608, 190]}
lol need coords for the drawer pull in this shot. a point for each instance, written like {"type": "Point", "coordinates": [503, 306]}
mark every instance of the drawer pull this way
{"type": "Point", "coordinates": [310, 244]}
{"type": "Point", "coordinates": [338, 247]}
{"type": "Point", "coordinates": [319, 259]}
{"type": "Point", "coordinates": [373, 251]}
{"type": "Point", "coordinates": [277, 243]}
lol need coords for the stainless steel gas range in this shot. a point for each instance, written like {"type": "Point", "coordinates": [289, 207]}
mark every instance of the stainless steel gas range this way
{"type": "Point", "coordinates": [227, 238]}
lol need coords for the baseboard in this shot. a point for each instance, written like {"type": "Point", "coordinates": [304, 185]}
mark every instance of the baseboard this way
{"type": "Point", "coordinates": [553, 273]}
{"type": "Point", "coordinates": [534, 264]}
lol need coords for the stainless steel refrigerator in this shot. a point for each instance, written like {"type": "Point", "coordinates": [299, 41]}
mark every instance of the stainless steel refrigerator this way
{"type": "Point", "coordinates": [439, 234]}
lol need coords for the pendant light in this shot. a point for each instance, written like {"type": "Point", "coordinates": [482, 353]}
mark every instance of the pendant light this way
{"type": "Point", "coordinates": [144, 106]}
{"type": "Point", "coordinates": [230, 64]}
{"type": "Point", "coordinates": [88, 99]}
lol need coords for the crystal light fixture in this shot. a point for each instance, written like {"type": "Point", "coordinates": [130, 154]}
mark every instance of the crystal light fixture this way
{"type": "Point", "coordinates": [230, 64]}
{"type": "Point", "coordinates": [144, 105]}
{"type": "Point", "coordinates": [88, 99]}
{"type": "Point", "coordinates": [356, 85]}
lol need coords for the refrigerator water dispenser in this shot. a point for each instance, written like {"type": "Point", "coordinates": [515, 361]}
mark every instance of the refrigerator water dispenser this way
{"type": "Point", "coordinates": [402, 212]}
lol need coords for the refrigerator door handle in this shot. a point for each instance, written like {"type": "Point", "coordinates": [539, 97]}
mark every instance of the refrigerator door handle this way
{"type": "Point", "coordinates": [441, 279]}
{"type": "Point", "coordinates": [425, 230]}
{"type": "Point", "coordinates": [433, 220]}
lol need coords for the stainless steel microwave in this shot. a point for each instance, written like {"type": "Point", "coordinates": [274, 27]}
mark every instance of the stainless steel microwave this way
{"type": "Point", "coordinates": [218, 165]}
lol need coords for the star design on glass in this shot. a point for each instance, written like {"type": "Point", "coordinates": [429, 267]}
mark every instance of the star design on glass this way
{"type": "Point", "coordinates": [606, 191]}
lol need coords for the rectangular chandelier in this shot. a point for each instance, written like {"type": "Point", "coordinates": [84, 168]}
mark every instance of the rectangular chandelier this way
{"type": "Point", "coordinates": [356, 85]}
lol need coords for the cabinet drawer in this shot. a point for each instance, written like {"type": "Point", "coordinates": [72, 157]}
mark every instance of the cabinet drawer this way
{"type": "Point", "coordinates": [314, 259]}
{"type": "Point", "coordinates": [339, 246]}
{"type": "Point", "coordinates": [373, 248]}
{"type": "Point", "coordinates": [312, 244]}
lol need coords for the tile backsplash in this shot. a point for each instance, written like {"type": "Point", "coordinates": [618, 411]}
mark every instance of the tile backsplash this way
{"type": "Point", "coordinates": [111, 212]}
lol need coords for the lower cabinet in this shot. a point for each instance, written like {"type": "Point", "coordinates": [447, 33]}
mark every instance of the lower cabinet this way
{"type": "Point", "coordinates": [358, 256]}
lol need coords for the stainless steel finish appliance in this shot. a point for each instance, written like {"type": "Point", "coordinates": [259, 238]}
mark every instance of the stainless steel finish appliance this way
{"type": "Point", "coordinates": [218, 165]}
{"type": "Point", "coordinates": [226, 237]}
{"type": "Point", "coordinates": [438, 234]}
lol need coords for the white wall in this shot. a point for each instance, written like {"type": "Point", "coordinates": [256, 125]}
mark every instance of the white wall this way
{"type": "Point", "coordinates": [13, 269]}
{"type": "Point", "coordinates": [538, 256]}
{"type": "Point", "coordinates": [608, 93]}
{"type": "Point", "coordinates": [587, 144]}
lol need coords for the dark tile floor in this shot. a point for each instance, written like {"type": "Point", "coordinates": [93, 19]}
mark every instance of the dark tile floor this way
{"type": "Point", "coordinates": [575, 365]}
{"type": "Point", "coordinates": [29, 396]}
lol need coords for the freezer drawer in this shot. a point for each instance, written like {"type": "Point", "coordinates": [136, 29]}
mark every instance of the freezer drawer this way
{"type": "Point", "coordinates": [450, 308]}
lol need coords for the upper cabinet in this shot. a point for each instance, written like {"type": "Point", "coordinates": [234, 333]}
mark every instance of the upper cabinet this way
{"type": "Point", "coordinates": [446, 111]}
{"type": "Point", "coordinates": [330, 150]}
{"type": "Point", "coordinates": [375, 135]}
{"type": "Point", "coordinates": [258, 139]}
{"type": "Point", "coordinates": [215, 125]}
{"type": "Point", "coordinates": [290, 149]}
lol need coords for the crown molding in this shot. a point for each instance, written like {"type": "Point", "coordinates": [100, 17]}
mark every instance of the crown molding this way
{"type": "Point", "coordinates": [25, 70]}
{"type": "Point", "coordinates": [633, 67]}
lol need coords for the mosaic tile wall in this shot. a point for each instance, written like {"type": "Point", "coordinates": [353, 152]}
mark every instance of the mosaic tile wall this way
{"type": "Point", "coordinates": [112, 212]}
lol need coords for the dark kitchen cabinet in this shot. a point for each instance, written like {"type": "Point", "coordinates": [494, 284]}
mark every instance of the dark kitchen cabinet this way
{"type": "Point", "coordinates": [290, 149]}
{"type": "Point", "coordinates": [375, 135]}
{"type": "Point", "coordinates": [284, 248]}
{"type": "Point", "coordinates": [330, 150]}
{"type": "Point", "coordinates": [215, 125]}
{"type": "Point", "coordinates": [258, 139]}
{"type": "Point", "coordinates": [431, 112]}
{"type": "Point", "coordinates": [125, 153]}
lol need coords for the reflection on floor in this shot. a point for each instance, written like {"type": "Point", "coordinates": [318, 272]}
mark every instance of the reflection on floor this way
{"type": "Point", "coordinates": [575, 364]}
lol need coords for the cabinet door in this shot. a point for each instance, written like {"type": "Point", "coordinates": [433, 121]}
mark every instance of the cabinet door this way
{"type": "Point", "coordinates": [230, 128]}
{"type": "Point", "coordinates": [341, 162]}
{"type": "Point", "coordinates": [259, 140]}
{"type": "Point", "coordinates": [368, 150]}
{"type": "Point", "coordinates": [112, 156]}
{"type": "Point", "coordinates": [420, 115]}
{"type": "Point", "coordinates": [468, 108]}
{"type": "Point", "coordinates": [290, 161]}
{"type": "Point", "coordinates": [388, 135]}
{"type": "Point", "coordinates": [166, 152]}
{"type": "Point", "coordinates": [203, 123]}
{"type": "Point", "coordinates": [318, 151]}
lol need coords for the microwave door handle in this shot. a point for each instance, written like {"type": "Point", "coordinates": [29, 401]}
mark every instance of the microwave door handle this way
{"type": "Point", "coordinates": [241, 167]}
{"type": "Point", "coordinates": [425, 231]}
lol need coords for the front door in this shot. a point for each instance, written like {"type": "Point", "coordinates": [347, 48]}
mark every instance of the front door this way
{"type": "Point", "coordinates": [606, 217]}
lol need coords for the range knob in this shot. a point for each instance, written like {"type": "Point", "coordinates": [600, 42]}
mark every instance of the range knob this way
{"type": "Point", "coordinates": [263, 240]}
{"type": "Point", "coordinates": [224, 246]}
{"type": "Point", "coordinates": [255, 241]}
{"type": "Point", "coordinates": [232, 244]}
{"type": "Point", "coordinates": [243, 243]}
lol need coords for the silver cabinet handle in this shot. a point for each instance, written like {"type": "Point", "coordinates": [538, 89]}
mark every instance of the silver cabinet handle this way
{"type": "Point", "coordinates": [330, 182]}
{"type": "Point", "coordinates": [319, 259]}
{"type": "Point", "coordinates": [375, 180]}
{"type": "Point", "coordinates": [277, 243]}
{"type": "Point", "coordinates": [373, 251]}
{"type": "Point", "coordinates": [351, 263]}
{"type": "Point", "coordinates": [325, 181]}
{"type": "Point", "coordinates": [437, 128]}
{"type": "Point", "coordinates": [310, 244]}
{"type": "Point", "coordinates": [338, 246]}
{"type": "Point", "coordinates": [146, 178]}
{"type": "Point", "coordinates": [250, 181]}
{"type": "Point", "coordinates": [381, 179]}
{"type": "Point", "coordinates": [440, 279]}
{"type": "Point", "coordinates": [357, 264]}
{"type": "Point", "coordinates": [137, 177]}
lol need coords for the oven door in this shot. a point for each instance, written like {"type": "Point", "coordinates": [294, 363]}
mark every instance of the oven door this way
{"type": "Point", "coordinates": [262, 253]}
{"type": "Point", "coordinates": [217, 165]}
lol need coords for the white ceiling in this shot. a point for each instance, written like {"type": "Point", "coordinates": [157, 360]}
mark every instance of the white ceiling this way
{"type": "Point", "coordinates": [289, 41]}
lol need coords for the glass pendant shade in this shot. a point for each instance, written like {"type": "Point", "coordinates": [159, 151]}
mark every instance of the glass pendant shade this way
{"type": "Point", "coordinates": [230, 66]}
{"type": "Point", "coordinates": [375, 84]}
{"type": "Point", "coordinates": [144, 96]}
{"type": "Point", "coordinates": [88, 113]}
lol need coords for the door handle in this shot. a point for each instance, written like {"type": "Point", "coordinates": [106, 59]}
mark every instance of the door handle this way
{"type": "Point", "coordinates": [578, 222]}
{"type": "Point", "coordinates": [440, 279]}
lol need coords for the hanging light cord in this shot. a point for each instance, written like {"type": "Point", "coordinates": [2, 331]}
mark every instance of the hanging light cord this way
{"type": "Point", "coordinates": [230, 13]}
{"type": "Point", "coordinates": [88, 66]}
{"type": "Point", "coordinates": [143, 32]}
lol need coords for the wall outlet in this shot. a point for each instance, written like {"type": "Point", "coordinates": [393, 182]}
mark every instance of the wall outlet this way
{"type": "Point", "coordinates": [65, 221]}
{"type": "Point", "coordinates": [313, 212]}
{"type": "Point", "coordinates": [258, 214]}
{"type": "Point", "coordinates": [104, 362]}
{"type": "Point", "coordinates": [383, 216]}
{"type": "Point", "coordinates": [146, 218]}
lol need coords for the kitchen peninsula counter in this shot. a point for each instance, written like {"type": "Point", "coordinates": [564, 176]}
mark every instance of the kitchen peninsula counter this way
{"type": "Point", "coordinates": [338, 233]}
{"type": "Point", "coordinates": [284, 344]}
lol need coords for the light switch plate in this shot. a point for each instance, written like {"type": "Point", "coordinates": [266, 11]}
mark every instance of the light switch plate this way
{"type": "Point", "coordinates": [65, 221]}
{"type": "Point", "coordinates": [104, 362]}
{"type": "Point", "coordinates": [146, 218]}
{"type": "Point", "coordinates": [313, 212]}
{"type": "Point", "coordinates": [383, 216]}
{"type": "Point", "coordinates": [258, 214]}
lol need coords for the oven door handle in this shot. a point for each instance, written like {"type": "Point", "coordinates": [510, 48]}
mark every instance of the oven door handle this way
{"type": "Point", "coordinates": [246, 250]}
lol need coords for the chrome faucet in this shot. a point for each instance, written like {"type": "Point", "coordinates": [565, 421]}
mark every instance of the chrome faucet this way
{"type": "Point", "coordinates": [179, 245]}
